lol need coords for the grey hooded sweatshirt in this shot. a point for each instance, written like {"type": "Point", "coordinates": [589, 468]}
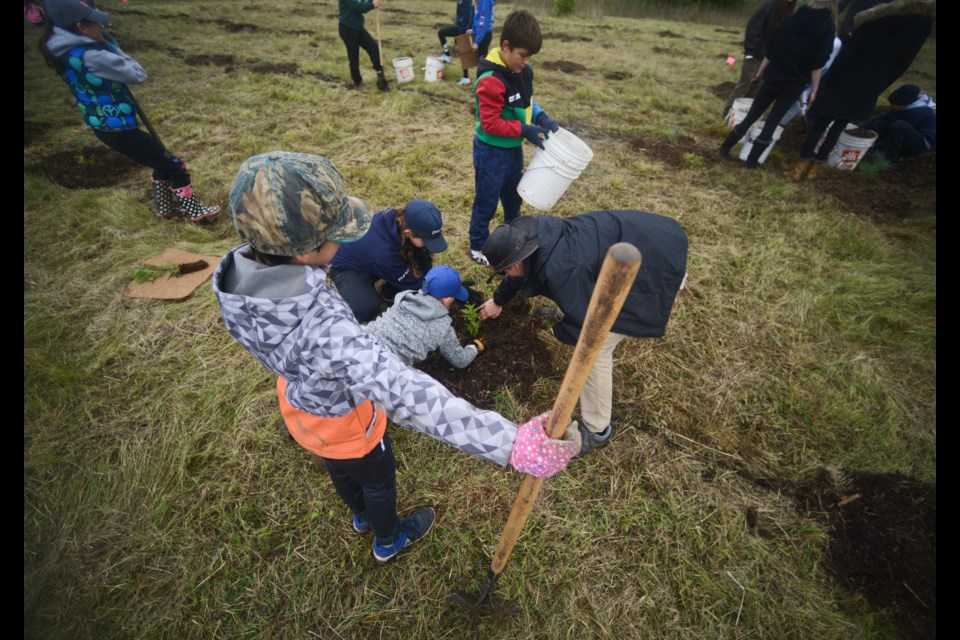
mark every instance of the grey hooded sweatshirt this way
{"type": "Point", "coordinates": [415, 325]}
{"type": "Point", "coordinates": [300, 328]}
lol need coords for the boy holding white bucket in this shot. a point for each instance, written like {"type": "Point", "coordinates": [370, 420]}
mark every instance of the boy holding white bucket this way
{"type": "Point", "coordinates": [507, 115]}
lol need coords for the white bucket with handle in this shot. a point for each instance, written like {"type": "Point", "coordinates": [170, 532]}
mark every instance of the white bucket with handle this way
{"type": "Point", "coordinates": [752, 135]}
{"type": "Point", "coordinates": [404, 69]}
{"type": "Point", "coordinates": [739, 111]}
{"type": "Point", "coordinates": [434, 70]}
{"type": "Point", "coordinates": [563, 157]}
{"type": "Point", "coordinates": [851, 147]}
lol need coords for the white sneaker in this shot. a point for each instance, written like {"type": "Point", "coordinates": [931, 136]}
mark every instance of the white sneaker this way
{"type": "Point", "coordinates": [479, 258]}
{"type": "Point", "coordinates": [463, 81]}
{"type": "Point", "coordinates": [445, 58]}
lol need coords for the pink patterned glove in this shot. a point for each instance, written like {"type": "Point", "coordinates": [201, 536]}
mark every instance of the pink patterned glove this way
{"type": "Point", "coordinates": [534, 452]}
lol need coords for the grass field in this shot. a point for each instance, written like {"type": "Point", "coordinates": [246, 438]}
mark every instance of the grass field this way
{"type": "Point", "coordinates": [164, 499]}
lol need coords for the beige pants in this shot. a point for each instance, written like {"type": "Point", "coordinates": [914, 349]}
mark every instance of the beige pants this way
{"type": "Point", "coordinates": [596, 401]}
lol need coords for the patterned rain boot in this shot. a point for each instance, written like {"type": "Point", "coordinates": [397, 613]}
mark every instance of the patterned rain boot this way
{"type": "Point", "coordinates": [167, 206]}
{"type": "Point", "coordinates": [191, 208]}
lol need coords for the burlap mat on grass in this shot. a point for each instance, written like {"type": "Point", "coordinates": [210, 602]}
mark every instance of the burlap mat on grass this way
{"type": "Point", "coordinates": [168, 287]}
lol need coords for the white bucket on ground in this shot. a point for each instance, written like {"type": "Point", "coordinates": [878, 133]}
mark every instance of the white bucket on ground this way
{"type": "Point", "coordinates": [553, 168]}
{"type": "Point", "coordinates": [752, 135]}
{"type": "Point", "coordinates": [739, 110]}
{"type": "Point", "coordinates": [404, 69]}
{"type": "Point", "coordinates": [434, 70]}
{"type": "Point", "coordinates": [850, 148]}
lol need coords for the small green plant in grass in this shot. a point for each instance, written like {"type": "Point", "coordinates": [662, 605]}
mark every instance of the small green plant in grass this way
{"type": "Point", "coordinates": [471, 318]}
{"type": "Point", "coordinates": [873, 164]}
{"type": "Point", "coordinates": [149, 272]}
{"type": "Point", "coordinates": [83, 160]}
{"type": "Point", "coordinates": [674, 134]}
{"type": "Point", "coordinates": [692, 160]}
{"type": "Point", "coordinates": [564, 7]}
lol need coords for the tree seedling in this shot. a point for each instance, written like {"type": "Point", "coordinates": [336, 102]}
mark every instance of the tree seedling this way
{"type": "Point", "coordinates": [471, 318]}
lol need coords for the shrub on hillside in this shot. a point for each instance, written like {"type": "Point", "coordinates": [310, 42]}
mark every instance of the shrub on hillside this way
{"type": "Point", "coordinates": [564, 7]}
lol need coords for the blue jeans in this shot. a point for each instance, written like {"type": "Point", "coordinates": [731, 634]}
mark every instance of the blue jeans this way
{"type": "Point", "coordinates": [369, 487]}
{"type": "Point", "coordinates": [497, 172]}
{"type": "Point", "coordinates": [359, 291]}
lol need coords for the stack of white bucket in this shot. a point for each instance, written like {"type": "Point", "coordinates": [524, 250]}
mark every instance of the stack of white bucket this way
{"type": "Point", "coordinates": [553, 168]}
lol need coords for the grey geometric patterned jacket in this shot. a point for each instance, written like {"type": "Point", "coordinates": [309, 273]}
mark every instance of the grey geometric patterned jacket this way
{"type": "Point", "coordinates": [416, 324]}
{"type": "Point", "coordinates": [298, 327]}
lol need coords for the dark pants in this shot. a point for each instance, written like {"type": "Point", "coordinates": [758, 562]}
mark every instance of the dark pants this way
{"type": "Point", "coordinates": [819, 125]}
{"type": "Point", "coordinates": [369, 487]}
{"type": "Point", "coordinates": [359, 290]}
{"type": "Point", "coordinates": [497, 172]}
{"type": "Point", "coordinates": [447, 32]}
{"type": "Point", "coordinates": [142, 147]}
{"type": "Point", "coordinates": [901, 139]}
{"type": "Point", "coordinates": [483, 48]}
{"type": "Point", "coordinates": [354, 39]}
{"type": "Point", "coordinates": [781, 95]}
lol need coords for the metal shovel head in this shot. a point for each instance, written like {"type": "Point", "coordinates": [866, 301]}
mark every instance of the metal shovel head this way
{"type": "Point", "coordinates": [486, 604]}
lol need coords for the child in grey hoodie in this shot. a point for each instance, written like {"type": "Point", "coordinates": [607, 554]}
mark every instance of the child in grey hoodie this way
{"type": "Point", "coordinates": [419, 321]}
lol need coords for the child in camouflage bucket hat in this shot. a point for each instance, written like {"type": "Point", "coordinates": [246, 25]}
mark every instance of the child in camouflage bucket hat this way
{"type": "Point", "coordinates": [337, 385]}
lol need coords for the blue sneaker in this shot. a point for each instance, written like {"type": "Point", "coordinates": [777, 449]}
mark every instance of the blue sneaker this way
{"type": "Point", "coordinates": [411, 529]}
{"type": "Point", "coordinates": [360, 524]}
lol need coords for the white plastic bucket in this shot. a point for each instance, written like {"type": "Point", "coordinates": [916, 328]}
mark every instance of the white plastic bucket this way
{"type": "Point", "coordinates": [752, 135]}
{"type": "Point", "coordinates": [739, 110]}
{"type": "Point", "coordinates": [553, 168]}
{"type": "Point", "coordinates": [434, 70]}
{"type": "Point", "coordinates": [850, 148]}
{"type": "Point", "coordinates": [404, 69]}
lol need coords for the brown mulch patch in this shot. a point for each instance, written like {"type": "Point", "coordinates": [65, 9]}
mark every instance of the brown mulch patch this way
{"type": "Point", "coordinates": [562, 65]}
{"type": "Point", "coordinates": [883, 544]}
{"type": "Point", "coordinates": [675, 152]}
{"type": "Point", "coordinates": [85, 168]}
{"type": "Point", "coordinates": [514, 357]}
{"type": "Point", "coordinates": [723, 89]}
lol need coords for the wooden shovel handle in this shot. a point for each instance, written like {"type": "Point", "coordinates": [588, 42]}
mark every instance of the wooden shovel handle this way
{"type": "Point", "coordinates": [613, 284]}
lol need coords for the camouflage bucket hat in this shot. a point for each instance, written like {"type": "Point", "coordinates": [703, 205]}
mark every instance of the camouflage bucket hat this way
{"type": "Point", "coordinates": [287, 204]}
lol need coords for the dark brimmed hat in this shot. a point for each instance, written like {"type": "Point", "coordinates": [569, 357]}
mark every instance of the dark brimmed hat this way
{"type": "Point", "coordinates": [511, 243]}
{"type": "Point", "coordinates": [64, 13]}
{"type": "Point", "coordinates": [904, 95]}
{"type": "Point", "coordinates": [424, 219]}
{"type": "Point", "coordinates": [287, 204]}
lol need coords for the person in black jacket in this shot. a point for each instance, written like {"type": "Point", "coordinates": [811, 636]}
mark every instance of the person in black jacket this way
{"type": "Point", "coordinates": [796, 55]}
{"type": "Point", "coordinates": [560, 258]}
{"type": "Point", "coordinates": [760, 28]}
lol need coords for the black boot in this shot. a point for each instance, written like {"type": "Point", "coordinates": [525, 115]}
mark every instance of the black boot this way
{"type": "Point", "coordinates": [163, 197]}
{"type": "Point", "coordinates": [382, 84]}
{"type": "Point", "coordinates": [753, 160]}
{"type": "Point", "coordinates": [731, 140]}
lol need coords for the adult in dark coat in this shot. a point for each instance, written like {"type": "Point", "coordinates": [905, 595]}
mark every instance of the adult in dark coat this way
{"type": "Point", "coordinates": [560, 258]}
{"type": "Point", "coordinates": [884, 42]}
{"type": "Point", "coordinates": [796, 55]}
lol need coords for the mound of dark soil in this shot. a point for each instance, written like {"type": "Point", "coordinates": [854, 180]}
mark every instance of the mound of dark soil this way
{"type": "Point", "coordinates": [674, 152]}
{"type": "Point", "coordinates": [565, 37]}
{"type": "Point", "coordinates": [514, 358]}
{"type": "Point", "coordinates": [85, 168]}
{"type": "Point", "coordinates": [669, 34]}
{"type": "Point", "coordinates": [723, 89]}
{"type": "Point", "coordinates": [564, 66]}
{"type": "Point", "coordinates": [883, 544]}
{"type": "Point", "coordinates": [671, 52]}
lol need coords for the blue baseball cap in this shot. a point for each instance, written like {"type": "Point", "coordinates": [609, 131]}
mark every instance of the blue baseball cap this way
{"type": "Point", "coordinates": [423, 218]}
{"type": "Point", "coordinates": [443, 282]}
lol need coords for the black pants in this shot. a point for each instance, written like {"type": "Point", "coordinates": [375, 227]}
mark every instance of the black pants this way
{"type": "Point", "coordinates": [354, 39]}
{"type": "Point", "coordinates": [781, 95]}
{"type": "Point", "coordinates": [369, 487]}
{"type": "Point", "coordinates": [819, 124]}
{"type": "Point", "coordinates": [359, 291]}
{"type": "Point", "coordinates": [142, 147]}
{"type": "Point", "coordinates": [448, 32]}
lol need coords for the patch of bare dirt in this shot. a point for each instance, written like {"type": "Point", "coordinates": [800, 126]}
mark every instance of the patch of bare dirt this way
{"type": "Point", "coordinates": [617, 75]}
{"type": "Point", "coordinates": [676, 151]}
{"type": "Point", "coordinates": [726, 31]}
{"type": "Point", "coordinates": [85, 168]}
{"type": "Point", "coordinates": [906, 190]}
{"type": "Point", "coordinates": [276, 67]}
{"type": "Point", "coordinates": [31, 131]}
{"type": "Point", "coordinates": [883, 544]}
{"type": "Point", "coordinates": [565, 37]}
{"type": "Point", "coordinates": [676, 53]}
{"type": "Point", "coordinates": [217, 60]}
{"type": "Point", "coordinates": [505, 363]}
{"type": "Point", "coordinates": [723, 89]}
{"type": "Point", "coordinates": [669, 34]}
{"type": "Point", "coordinates": [563, 65]}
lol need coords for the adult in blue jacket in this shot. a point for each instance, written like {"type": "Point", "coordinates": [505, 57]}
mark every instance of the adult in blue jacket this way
{"type": "Point", "coordinates": [560, 258]}
{"type": "Point", "coordinates": [398, 249]}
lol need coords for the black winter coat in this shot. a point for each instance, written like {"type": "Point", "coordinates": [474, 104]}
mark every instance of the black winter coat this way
{"type": "Point", "coordinates": [884, 43]}
{"type": "Point", "coordinates": [571, 251]}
